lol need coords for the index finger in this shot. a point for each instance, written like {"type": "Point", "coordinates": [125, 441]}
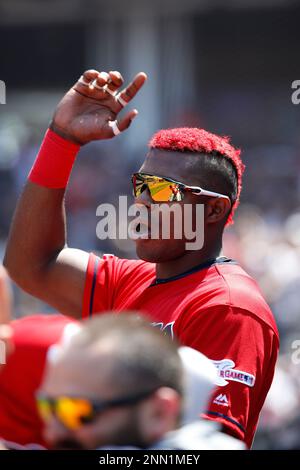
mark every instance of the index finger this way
{"type": "Point", "coordinates": [132, 89]}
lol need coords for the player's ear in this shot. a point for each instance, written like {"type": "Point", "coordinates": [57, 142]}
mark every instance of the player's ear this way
{"type": "Point", "coordinates": [216, 209]}
{"type": "Point", "coordinates": [159, 414]}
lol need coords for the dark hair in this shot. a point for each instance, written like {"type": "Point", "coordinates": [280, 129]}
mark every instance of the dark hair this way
{"type": "Point", "coordinates": [220, 174]}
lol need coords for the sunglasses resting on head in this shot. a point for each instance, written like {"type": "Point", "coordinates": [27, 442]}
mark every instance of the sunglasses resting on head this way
{"type": "Point", "coordinates": [164, 189]}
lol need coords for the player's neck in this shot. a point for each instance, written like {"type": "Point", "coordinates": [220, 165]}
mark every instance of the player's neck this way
{"type": "Point", "coordinates": [188, 261]}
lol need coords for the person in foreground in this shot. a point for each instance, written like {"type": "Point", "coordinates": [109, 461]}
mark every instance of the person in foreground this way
{"type": "Point", "coordinates": [36, 340]}
{"type": "Point", "coordinates": [208, 302]}
{"type": "Point", "coordinates": [104, 390]}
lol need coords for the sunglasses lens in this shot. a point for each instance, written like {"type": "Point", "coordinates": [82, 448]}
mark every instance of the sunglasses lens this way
{"type": "Point", "coordinates": [139, 185]}
{"type": "Point", "coordinates": [164, 191]}
{"type": "Point", "coordinates": [161, 190]}
{"type": "Point", "coordinates": [44, 408]}
{"type": "Point", "coordinates": [72, 412]}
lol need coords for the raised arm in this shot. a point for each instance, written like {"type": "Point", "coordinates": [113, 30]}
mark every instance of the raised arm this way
{"type": "Point", "coordinates": [37, 257]}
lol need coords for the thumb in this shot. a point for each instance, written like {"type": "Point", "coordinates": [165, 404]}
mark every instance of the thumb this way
{"type": "Point", "coordinates": [125, 122]}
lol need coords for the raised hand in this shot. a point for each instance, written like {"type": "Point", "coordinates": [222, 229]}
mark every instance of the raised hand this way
{"type": "Point", "coordinates": [89, 110]}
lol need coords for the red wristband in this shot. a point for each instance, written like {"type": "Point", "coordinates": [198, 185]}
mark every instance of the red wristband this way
{"type": "Point", "coordinates": [54, 162]}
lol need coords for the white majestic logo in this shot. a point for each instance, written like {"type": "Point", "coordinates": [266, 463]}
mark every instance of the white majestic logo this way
{"type": "Point", "coordinates": [221, 400]}
{"type": "Point", "coordinates": [226, 372]}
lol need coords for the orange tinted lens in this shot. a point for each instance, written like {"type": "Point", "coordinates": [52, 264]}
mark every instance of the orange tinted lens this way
{"type": "Point", "coordinates": [161, 190]}
{"type": "Point", "coordinates": [73, 411]}
{"type": "Point", "coordinates": [164, 191]}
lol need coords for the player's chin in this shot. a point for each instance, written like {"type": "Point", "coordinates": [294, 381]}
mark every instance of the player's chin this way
{"type": "Point", "coordinates": [158, 251]}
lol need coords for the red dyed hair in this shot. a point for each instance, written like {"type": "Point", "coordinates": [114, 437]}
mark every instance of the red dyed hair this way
{"type": "Point", "coordinates": [189, 139]}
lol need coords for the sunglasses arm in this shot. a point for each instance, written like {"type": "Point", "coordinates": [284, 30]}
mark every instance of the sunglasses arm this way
{"type": "Point", "coordinates": [204, 192]}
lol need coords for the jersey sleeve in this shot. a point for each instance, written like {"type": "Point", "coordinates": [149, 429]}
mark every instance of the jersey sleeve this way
{"type": "Point", "coordinates": [244, 350]}
{"type": "Point", "coordinates": [108, 279]}
{"type": "Point", "coordinates": [99, 275]}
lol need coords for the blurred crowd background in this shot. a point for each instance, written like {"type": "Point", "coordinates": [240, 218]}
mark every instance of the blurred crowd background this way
{"type": "Point", "coordinates": [225, 66]}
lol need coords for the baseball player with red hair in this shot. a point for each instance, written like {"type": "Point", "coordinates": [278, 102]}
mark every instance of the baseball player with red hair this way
{"type": "Point", "coordinates": [206, 300]}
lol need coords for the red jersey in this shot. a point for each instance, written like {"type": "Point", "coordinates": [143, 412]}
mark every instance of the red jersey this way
{"type": "Point", "coordinates": [216, 308]}
{"type": "Point", "coordinates": [21, 377]}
